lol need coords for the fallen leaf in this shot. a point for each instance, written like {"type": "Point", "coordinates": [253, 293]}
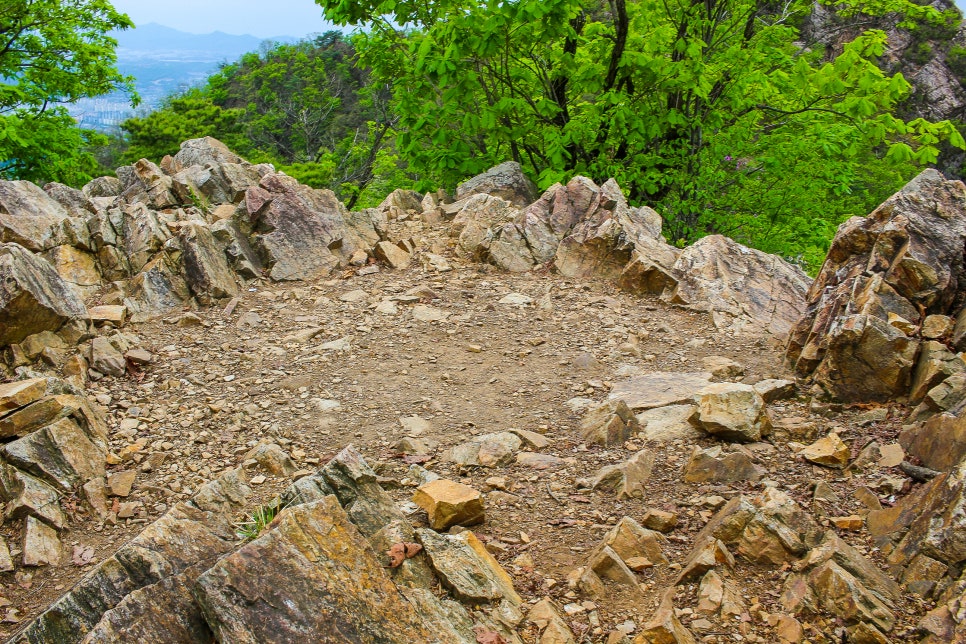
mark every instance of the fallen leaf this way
{"type": "Point", "coordinates": [486, 636]}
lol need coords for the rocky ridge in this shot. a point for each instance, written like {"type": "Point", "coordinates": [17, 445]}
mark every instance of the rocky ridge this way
{"type": "Point", "coordinates": [629, 461]}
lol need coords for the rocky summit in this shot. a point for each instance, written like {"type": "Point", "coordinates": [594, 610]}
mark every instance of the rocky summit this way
{"type": "Point", "coordinates": [233, 410]}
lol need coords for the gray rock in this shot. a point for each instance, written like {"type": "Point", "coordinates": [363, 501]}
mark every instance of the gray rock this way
{"type": "Point", "coordinates": [505, 180]}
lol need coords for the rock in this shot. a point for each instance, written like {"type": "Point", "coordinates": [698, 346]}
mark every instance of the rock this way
{"type": "Point", "coordinates": [61, 454]}
{"type": "Point", "coordinates": [487, 450]}
{"type": "Point", "coordinates": [206, 269]}
{"type": "Point", "coordinates": [313, 575]}
{"type": "Point", "coordinates": [449, 503]}
{"type": "Point", "coordinates": [29, 217]}
{"type": "Point", "coordinates": [103, 187]}
{"type": "Point", "coordinates": [609, 424]}
{"type": "Point", "coordinates": [33, 297]}
{"type": "Point", "coordinates": [116, 314]}
{"type": "Point", "coordinates": [772, 390]}
{"type": "Point", "coordinates": [105, 358]}
{"type": "Point", "coordinates": [627, 479]}
{"type": "Point", "coordinates": [650, 269]}
{"type": "Point", "coordinates": [516, 299]}
{"type": "Point", "coordinates": [204, 151]}
{"type": "Point", "coordinates": [659, 389]}
{"type": "Point", "coordinates": [76, 267]}
{"type": "Point", "coordinates": [272, 459]}
{"type": "Point", "coordinates": [392, 255]}
{"type": "Point", "coordinates": [41, 547]}
{"type": "Point", "coordinates": [936, 327]}
{"type": "Point", "coordinates": [664, 627]}
{"type": "Point", "coordinates": [26, 495]}
{"type": "Point", "coordinates": [20, 393]}
{"type": "Point", "coordinates": [41, 413]}
{"type": "Point", "coordinates": [139, 357]}
{"type": "Point", "coordinates": [771, 528]}
{"type": "Point", "coordinates": [939, 442]}
{"type": "Point", "coordinates": [628, 540]}
{"type": "Point", "coordinates": [466, 569]}
{"type": "Point", "coordinates": [659, 520]}
{"type": "Point", "coordinates": [830, 451]}
{"type": "Point", "coordinates": [120, 483]}
{"type": "Point", "coordinates": [705, 556]}
{"type": "Point", "coordinates": [670, 423]}
{"type": "Point", "coordinates": [551, 626]}
{"type": "Point", "coordinates": [423, 313]}
{"type": "Point", "coordinates": [732, 411]}
{"type": "Point", "coordinates": [905, 257]}
{"type": "Point", "coordinates": [722, 368]}
{"type": "Point", "coordinates": [537, 461]}
{"type": "Point", "coordinates": [740, 286]}
{"type": "Point", "coordinates": [506, 181]}
{"type": "Point", "coordinates": [712, 465]}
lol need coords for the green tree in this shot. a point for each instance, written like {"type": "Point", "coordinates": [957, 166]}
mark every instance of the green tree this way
{"type": "Point", "coordinates": [711, 110]}
{"type": "Point", "coordinates": [307, 107]}
{"type": "Point", "coordinates": [53, 52]}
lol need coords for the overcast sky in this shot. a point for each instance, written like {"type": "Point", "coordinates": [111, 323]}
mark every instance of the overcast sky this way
{"type": "Point", "coordinates": [262, 18]}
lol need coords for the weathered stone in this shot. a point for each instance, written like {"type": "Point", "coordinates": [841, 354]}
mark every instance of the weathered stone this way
{"type": "Point", "coordinates": [934, 365]}
{"type": "Point", "coordinates": [712, 465]}
{"type": "Point", "coordinates": [506, 181]}
{"type": "Point", "coordinates": [61, 454]}
{"type": "Point", "coordinates": [14, 395]}
{"type": "Point", "coordinates": [33, 297]}
{"type": "Point", "coordinates": [105, 358]}
{"type": "Point", "coordinates": [937, 327]}
{"type": "Point", "coordinates": [732, 411]}
{"type": "Point", "coordinates": [904, 258]}
{"type": "Point", "coordinates": [29, 217]}
{"type": "Point", "coordinates": [659, 389]}
{"type": "Point", "coordinates": [26, 495]}
{"type": "Point", "coordinates": [449, 503]}
{"type": "Point", "coordinates": [628, 540]}
{"type": "Point", "coordinates": [76, 267]}
{"type": "Point", "coordinates": [627, 479]}
{"type": "Point", "coordinates": [609, 424]}
{"type": "Point", "coordinates": [205, 151]}
{"type": "Point", "coordinates": [840, 593]}
{"type": "Point", "coordinates": [103, 187]}
{"type": "Point", "coordinates": [313, 575]}
{"type": "Point", "coordinates": [772, 390]}
{"type": "Point", "coordinates": [706, 556]}
{"type": "Point", "coordinates": [830, 451]}
{"type": "Point", "coordinates": [771, 528]}
{"type": "Point", "coordinates": [466, 569]}
{"type": "Point", "coordinates": [670, 423]}
{"type": "Point", "coordinates": [486, 450]}
{"type": "Point", "coordinates": [740, 286]}
{"type": "Point", "coordinates": [664, 627]}
{"type": "Point", "coordinates": [392, 255]}
{"type": "Point", "coordinates": [116, 314]}
{"type": "Point", "coordinates": [272, 458]}
{"type": "Point", "coordinates": [659, 520]}
{"type": "Point", "coordinates": [206, 269]}
{"type": "Point", "coordinates": [39, 414]}
{"type": "Point", "coordinates": [158, 288]}
{"type": "Point", "coordinates": [41, 547]}
{"type": "Point", "coordinates": [120, 483]}
{"type": "Point", "coordinates": [650, 269]}
{"type": "Point", "coordinates": [940, 442]}
{"type": "Point", "coordinates": [551, 626]}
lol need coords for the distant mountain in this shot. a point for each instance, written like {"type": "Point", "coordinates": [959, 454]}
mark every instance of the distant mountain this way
{"type": "Point", "coordinates": [164, 61]}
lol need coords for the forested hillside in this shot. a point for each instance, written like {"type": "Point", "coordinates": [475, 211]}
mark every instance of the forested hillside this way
{"type": "Point", "coordinates": [770, 122]}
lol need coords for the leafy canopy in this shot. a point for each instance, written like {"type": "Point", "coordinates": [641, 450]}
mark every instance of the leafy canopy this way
{"type": "Point", "coordinates": [713, 112]}
{"type": "Point", "coordinates": [53, 52]}
{"type": "Point", "coordinates": [307, 107]}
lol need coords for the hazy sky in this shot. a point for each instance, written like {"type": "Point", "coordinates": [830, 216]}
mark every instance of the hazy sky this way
{"type": "Point", "coordinates": [262, 18]}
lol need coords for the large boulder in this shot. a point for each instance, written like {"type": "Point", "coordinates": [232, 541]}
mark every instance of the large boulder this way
{"type": "Point", "coordinates": [505, 180]}
{"type": "Point", "coordinates": [29, 217]}
{"type": "Point", "coordinates": [883, 275]}
{"type": "Point", "coordinates": [301, 233]}
{"type": "Point", "coordinates": [205, 151]}
{"type": "Point", "coordinates": [33, 297]}
{"type": "Point", "coordinates": [741, 287]}
{"type": "Point", "coordinates": [206, 269]}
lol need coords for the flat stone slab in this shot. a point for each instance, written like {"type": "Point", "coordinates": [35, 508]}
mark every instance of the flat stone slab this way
{"type": "Point", "coordinates": [659, 389]}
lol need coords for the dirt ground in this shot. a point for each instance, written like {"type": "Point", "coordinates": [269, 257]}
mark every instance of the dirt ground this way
{"type": "Point", "coordinates": [229, 380]}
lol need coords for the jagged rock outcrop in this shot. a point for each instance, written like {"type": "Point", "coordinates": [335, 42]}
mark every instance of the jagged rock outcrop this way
{"type": "Point", "coordinates": [884, 274]}
{"type": "Point", "coordinates": [316, 571]}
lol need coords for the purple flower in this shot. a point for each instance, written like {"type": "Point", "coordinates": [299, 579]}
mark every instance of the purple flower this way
{"type": "Point", "coordinates": [727, 157]}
